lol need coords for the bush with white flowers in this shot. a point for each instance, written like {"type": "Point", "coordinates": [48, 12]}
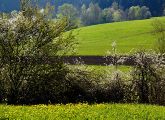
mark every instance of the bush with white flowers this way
{"type": "Point", "coordinates": [26, 37]}
{"type": "Point", "coordinates": [149, 77]}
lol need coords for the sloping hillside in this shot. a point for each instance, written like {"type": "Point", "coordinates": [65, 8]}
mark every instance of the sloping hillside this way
{"type": "Point", "coordinates": [129, 35]}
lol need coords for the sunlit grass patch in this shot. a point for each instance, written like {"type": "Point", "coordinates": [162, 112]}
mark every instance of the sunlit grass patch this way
{"type": "Point", "coordinates": [129, 36]}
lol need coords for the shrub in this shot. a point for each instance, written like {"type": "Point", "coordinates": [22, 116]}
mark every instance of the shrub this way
{"type": "Point", "coordinates": [27, 40]}
{"type": "Point", "coordinates": [97, 85]}
{"type": "Point", "coordinates": [148, 78]}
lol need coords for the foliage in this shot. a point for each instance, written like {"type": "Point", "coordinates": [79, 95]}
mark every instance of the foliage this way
{"type": "Point", "coordinates": [117, 16]}
{"type": "Point", "coordinates": [112, 14]}
{"type": "Point", "coordinates": [71, 13]}
{"type": "Point", "coordinates": [155, 6]}
{"type": "Point", "coordinates": [26, 39]}
{"type": "Point", "coordinates": [99, 85]}
{"type": "Point", "coordinates": [107, 15]}
{"type": "Point", "coordinates": [148, 78]}
{"type": "Point", "coordinates": [92, 14]}
{"type": "Point", "coordinates": [145, 12]}
{"type": "Point", "coordinates": [136, 12]}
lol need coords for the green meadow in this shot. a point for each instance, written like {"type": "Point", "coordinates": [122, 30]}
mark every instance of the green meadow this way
{"type": "Point", "coordinates": [129, 37]}
{"type": "Point", "coordinates": [83, 112]}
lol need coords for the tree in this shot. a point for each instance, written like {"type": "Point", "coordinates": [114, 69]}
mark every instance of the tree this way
{"type": "Point", "coordinates": [115, 6]}
{"type": "Point", "coordinates": [71, 13]}
{"type": "Point", "coordinates": [155, 6]}
{"type": "Point", "coordinates": [163, 12]}
{"type": "Point", "coordinates": [26, 43]}
{"type": "Point", "coordinates": [117, 16]}
{"type": "Point", "coordinates": [134, 13]}
{"type": "Point", "coordinates": [107, 15]}
{"type": "Point", "coordinates": [145, 12]}
{"type": "Point", "coordinates": [83, 14]}
{"type": "Point", "coordinates": [93, 14]}
{"type": "Point", "coordinates": [24, 4]}
{"type": "Point", "coordinates": [114, 13]}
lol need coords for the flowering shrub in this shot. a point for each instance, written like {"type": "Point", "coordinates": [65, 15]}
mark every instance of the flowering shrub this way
{"type": "Point", "coordinates": [149, 78]}
{"type": "Point", "coordinates": [96, 85]}
{"type": "Point", "coordinates": [25, 38]}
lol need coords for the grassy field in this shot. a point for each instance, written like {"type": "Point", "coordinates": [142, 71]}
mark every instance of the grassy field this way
{"type": "Point", "coordinates": [129, 35]}
{"type": "Point", "coordinates": [83, 112]}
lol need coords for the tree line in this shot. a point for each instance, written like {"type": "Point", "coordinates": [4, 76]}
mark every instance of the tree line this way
{"type": "Point", "coordinates": [156, 6]}
{"type": "Point", "coordinates": [94, 14]}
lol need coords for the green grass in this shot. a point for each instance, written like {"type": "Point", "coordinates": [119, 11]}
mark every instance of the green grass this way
{"type": "Point", "coordinates": [129, 35]}
{"type": "Point", "coordinates": [83, 112]}
{"type": "Point", "coordinates": [111, 68]}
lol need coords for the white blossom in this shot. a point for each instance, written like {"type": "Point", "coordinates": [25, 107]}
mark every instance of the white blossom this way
{"type": "Point", "coordinates": [42, 11]}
